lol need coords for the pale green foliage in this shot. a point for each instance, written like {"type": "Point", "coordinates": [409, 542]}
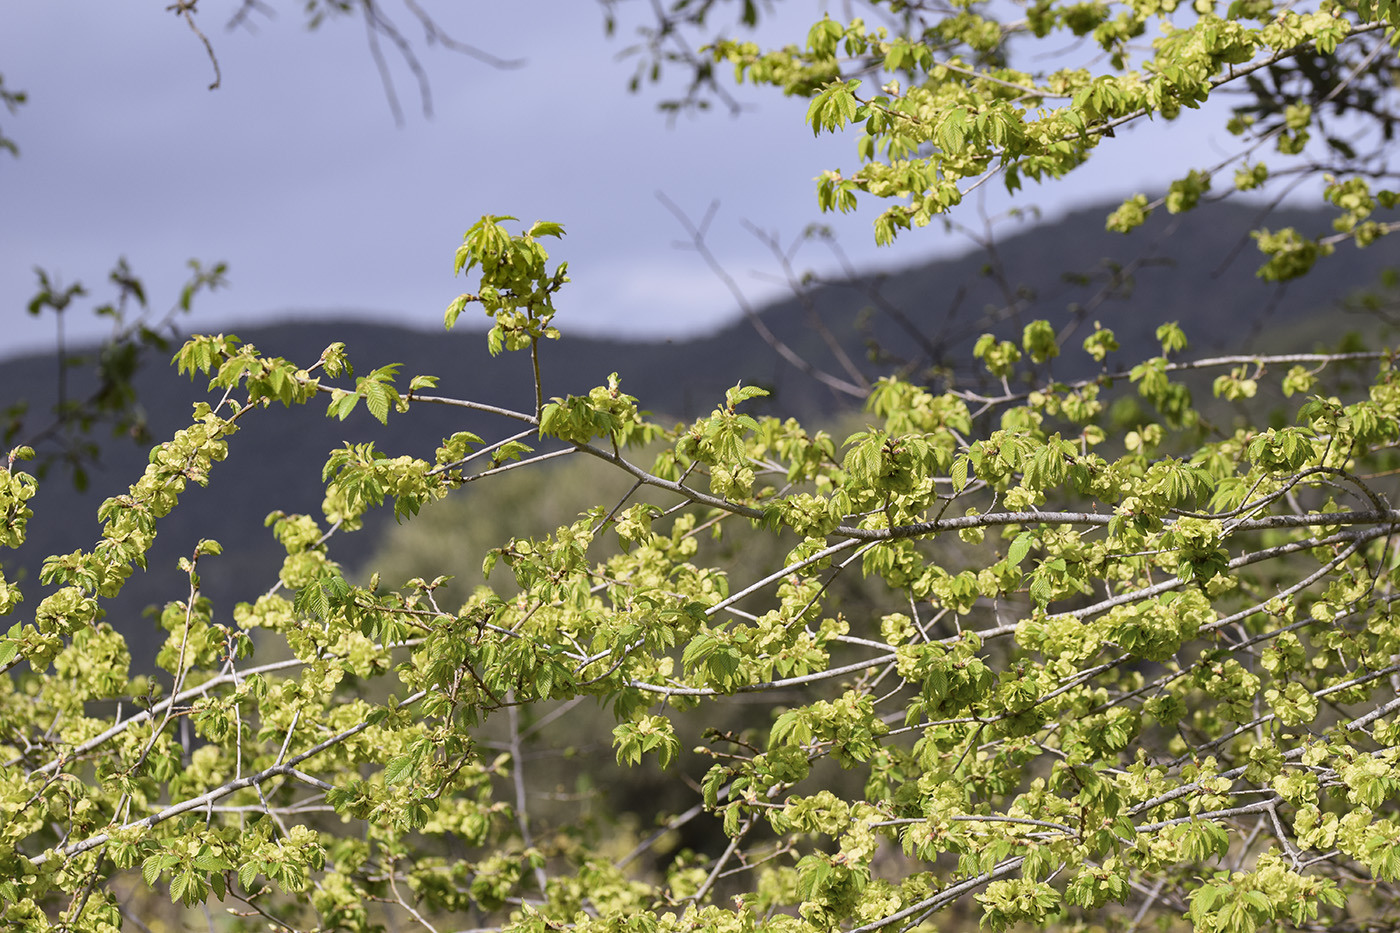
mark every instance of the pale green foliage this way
{"type": "Point", "coordinates": [954, 111]}
{"type": "Point", "coordinates": [1012, 654]}
{"type": "Point", "coordinates": [1094, 688]}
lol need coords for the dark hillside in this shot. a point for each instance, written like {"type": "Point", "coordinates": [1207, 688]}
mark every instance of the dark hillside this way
{"type": "Point", "coordinates": [276, 459]}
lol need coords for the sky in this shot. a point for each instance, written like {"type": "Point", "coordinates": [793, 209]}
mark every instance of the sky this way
{"type": "Point", "coordinates": [295, 173]}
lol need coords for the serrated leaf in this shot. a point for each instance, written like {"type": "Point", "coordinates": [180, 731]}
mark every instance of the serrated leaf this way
{"type": "Point", "coordinates": [1041, 590]}
{"type": "Point", "coordinates": [1017, 552]}
{"type": "Point", "coordinates": [959, 473]}
{"type": "Point", "coordinates": [953, 133]}
{"type": "Point", "coordinates": [206, 861]}
{"type": "Point", "coordinates": [179, 884]}
{"type": "Point", "coordinates": [714, 779]}
{"type": "Point", "coordinates": [151, 868]}
{"type": "Point", "coordinates": [454, 310]}
{"type": "Point", "coordinates": [377, 401]}
{"type": "Point", "coordinates": [398, 769]}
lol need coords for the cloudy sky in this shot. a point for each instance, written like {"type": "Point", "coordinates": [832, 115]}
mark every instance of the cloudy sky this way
{"type": "Point", "coordinates": [294, 171]}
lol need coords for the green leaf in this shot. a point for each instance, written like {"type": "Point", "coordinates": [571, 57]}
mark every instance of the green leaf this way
{"type": "Point", "coordinates": [180, 884]}
{"type": "Point", "coordinates": [952, 133]}
{"type": "Point", "coordinates": [377, 400]}
{"type": "Point", "coordinates": [1019, 548]}
{"type": "Point", "coordinates": [152, 866]}
{"type": "Point", "coordinates": [455, 309]}
{"type": "Point", "coordinates": [833, 108]}
{"type": "Point", "coordinates": [546, 228]}
{"type": "Point", "coordinates": [959, 472]}
{"type": "Point", "coordinates": [398, 769]}
{"type": "Point", "coordinates": [1042, 590]}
